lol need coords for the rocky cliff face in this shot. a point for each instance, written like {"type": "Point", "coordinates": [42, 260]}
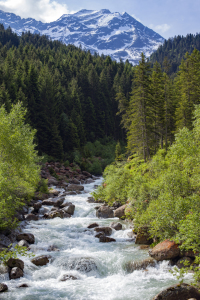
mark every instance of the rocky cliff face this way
{"type": "Point", "coordinates": [114, 34]}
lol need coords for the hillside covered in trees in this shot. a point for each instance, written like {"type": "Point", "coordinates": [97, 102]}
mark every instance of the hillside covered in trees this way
{"type": "Point", "coordinates": [69, 94]}
{"type": "Point", "coordinates": [170, 54]}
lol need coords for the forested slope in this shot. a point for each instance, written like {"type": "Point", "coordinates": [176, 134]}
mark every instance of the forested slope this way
{"type": "Point", "coordinates": [69, 94]}
{"type": "Point", "coordinates": [170, 54]}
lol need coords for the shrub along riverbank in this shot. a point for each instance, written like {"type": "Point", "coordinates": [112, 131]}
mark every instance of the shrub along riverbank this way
{"type": "Point", "coordinates": [163, 193]}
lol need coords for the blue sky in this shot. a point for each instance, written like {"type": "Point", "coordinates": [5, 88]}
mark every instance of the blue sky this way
{"type": "Point", "coordinates": [168, 17]}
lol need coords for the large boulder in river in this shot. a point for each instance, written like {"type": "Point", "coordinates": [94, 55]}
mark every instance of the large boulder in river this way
{"type": "Point", "coordinates": [55, 214]}
{"type": "Point", "coordinates": [16, 273]}
{"type": "Point", "coordinates": [15, 262]}
{"type": "Point", "coordinates": [120, 212]}
{"type": "Point", "coordinates": [37, 206]}
{"type": "Point", "coordinates": [59, 202]}
{"type": "Point", "coordinates": [49, 201]}
{"type": "Point", "coordinates": [23, 243]}
{"type": "Point", "coordinates": [181, 291]}
{"type": "Point", "coordinates": [29, 237]}
{"type": "Point", "coordinates": [52, 181]}
{"type": "Point", "coordinates": [104, 212]}
{"type": "Point", "coordinates": [74, 181]}
{"type": "Point", "coordinates": [93, 225]}
{"type": "Point", "coordinates": [165, 250]}
{"type": "Point", "coordinates": [41, 260]}
{"type": "Point", "coordinates": [106, 230]}
{"type": "Point", "coordinates": [143, 237]}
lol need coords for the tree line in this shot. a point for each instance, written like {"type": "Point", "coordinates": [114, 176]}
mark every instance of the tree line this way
{"type": "Point", "coordinates": [69, 94]}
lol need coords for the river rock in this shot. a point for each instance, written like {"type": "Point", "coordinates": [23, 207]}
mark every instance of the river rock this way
{"type": "Point", "coordinates": [87, 174]}
{"type": "Point", "coordinates": [84, 265]}
{"type": "Point", "coordinates": [116, 226]}
{"type": "Point", "coordinates": [23, 285]}
{"type": "Point", "coordinates": [98, 235]}
{"type": "Point", "coordinates": [90, 180]}
{"type": "Point", "coordinates": [74, 181]}
{"type": "Point", "coordinates": [31, 217]}
{"type": "Point", "coordinates": [66, 277]}
{"type": "Point", "coordinates": [16, 273]}
{"type": "Point", "coordinates": [165, 250]}
{"type": "Point", "coordinates": [106, 239]}
{"type": "Point", "coordinates": [69, 209]}
{"type": "Point", "coordinates": [139, 265]}
{"type": "Point", "coordinates": [23, 243]}
{"type": "Point", "coordinates": [29, 237]}
{"type": "Point", "coordinates": [54, 192]}
{"type": "Point", "coordinates": [52, 181]}
{"type": "Point", "coordinates": [120, 212]}
{"type": "Point", "coordinates": [106, 230]}
{"type": "Point", "coordinates": [143, 237]}
{"type": "Point", "coordinates": [65, 204]}
{"type": "Point", "coordinates": [91, 200]}
{"type": "Point", "coordinates": [37, 206]}
{"type": "Point", "coordinates": [184, 262]}
{"type": "Point", "coordinates": [75, 187]}
{"type": "Point", "coordinates": [66, 215]}
{"type": "Point", "coordinates": [116, 204]}
{"type": "Point", "coordinates": [104, 212]}
{"type": "Point", "coordinates": [3, 287]}
{"type": "Point", "coordinates": [49, 201]}
{"type": "Point", "coordinates": [93, 225]}
{"type": "Point", "coordinates": [181, 291]}
{"type": "Point", "coordinates": [15, 262]}
{"type": "Point", "coordinates": [54, 214]}
{"type": "Point", "coordinates": [4, 241]}
{"type": "Point", "coordinates": [59, 202]}
{"type": "Point", "coordinates": [41, 260]}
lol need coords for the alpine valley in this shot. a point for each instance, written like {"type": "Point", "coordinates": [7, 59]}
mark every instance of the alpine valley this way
{"type": "Point", "coordinates": [118, 35]}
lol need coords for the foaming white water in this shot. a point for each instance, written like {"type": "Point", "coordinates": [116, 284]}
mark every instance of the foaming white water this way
{"type": "Point", "coordinates": [106, 277]}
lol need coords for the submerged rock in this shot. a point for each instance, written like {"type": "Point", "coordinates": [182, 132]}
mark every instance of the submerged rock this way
{"type": "Point", "coordinates": [23, 285]}
{"type": "Point", "coordinates": [181, 291]}
{"type": "Point", "coordinates": [165, 250]}
{"type": "Point", "coordinates": [66, 277]}
{"type": "Point", "coordinates": [84, 265]}
{"type": "Point", "coordinates": [106, 239]}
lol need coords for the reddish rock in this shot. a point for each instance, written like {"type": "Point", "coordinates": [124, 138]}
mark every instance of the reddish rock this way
{"type": "Point", "coordinates": [120, 212]}
{"type": "Point", "coordinates": [165, 250]}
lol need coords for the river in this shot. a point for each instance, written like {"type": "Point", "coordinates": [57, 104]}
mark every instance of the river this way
{"type": "Point", "coordinates": [109, 281]}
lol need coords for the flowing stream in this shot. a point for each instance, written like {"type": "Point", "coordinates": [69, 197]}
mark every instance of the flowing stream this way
{"type": "Point", "coordinates": [107, 279]}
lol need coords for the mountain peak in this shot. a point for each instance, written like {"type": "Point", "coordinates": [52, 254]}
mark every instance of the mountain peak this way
{"type": "Point", "coordinates": [114, 34]}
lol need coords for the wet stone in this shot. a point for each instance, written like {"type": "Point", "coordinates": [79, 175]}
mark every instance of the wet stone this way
{"type": "Point", "coordinates": [3, 287]}
{"type": "Point", "coordinates": [68, 277]}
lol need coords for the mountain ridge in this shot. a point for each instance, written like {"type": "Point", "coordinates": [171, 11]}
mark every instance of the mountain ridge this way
{"type": "Point", "coordinates": [115, 34]}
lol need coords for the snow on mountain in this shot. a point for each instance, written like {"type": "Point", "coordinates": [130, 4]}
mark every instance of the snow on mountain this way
{"type": "Point", "coordinates": [114, 34]}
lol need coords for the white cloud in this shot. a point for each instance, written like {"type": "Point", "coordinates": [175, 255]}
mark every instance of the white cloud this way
{"type": "Point", "coordinates": [43, 10]}
{"type": "Point", "coordinates": [161, 28]}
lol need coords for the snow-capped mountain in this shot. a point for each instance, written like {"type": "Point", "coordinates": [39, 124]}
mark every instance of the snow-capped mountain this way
{"type": "Point", "coordinates": [114, 34]}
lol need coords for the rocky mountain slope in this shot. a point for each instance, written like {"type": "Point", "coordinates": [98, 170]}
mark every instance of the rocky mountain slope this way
{"type": "Point", "coordinates": [114, 34]}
